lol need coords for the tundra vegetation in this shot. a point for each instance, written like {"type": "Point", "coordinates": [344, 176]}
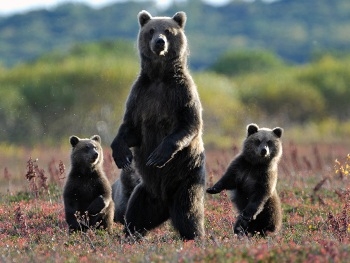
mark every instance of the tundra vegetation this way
{"type": "Point", "coordinates": [313, 186]}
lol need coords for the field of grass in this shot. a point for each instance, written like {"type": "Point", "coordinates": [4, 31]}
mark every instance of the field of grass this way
{"type": "Point", "coordinates": [314, 186]}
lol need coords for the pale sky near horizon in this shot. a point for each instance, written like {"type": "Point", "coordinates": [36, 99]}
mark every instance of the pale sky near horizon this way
{"type": "Point", "coordinates": [9, 7]}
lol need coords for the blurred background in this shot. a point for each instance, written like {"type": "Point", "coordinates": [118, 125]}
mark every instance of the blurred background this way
{"type": "Point", "coordinates": [66, 67]}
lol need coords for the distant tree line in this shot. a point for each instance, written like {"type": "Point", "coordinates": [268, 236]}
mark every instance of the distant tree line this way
{"type": "Point", "coordinates": [296, 30]}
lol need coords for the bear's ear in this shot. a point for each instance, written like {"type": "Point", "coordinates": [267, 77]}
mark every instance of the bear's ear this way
{"type": "Point", "coordinates": [180, 18]}
{"type": "Point", "coordinates": [278, 132]}
{"type": "Point", "coordinates": [252, 128]}
{"type": "Point", "coordinates": [144, 17]}
{"type": "Point", "coordinates": [74, 140]}
{"type": "Point", "coordinates": [96, 138]}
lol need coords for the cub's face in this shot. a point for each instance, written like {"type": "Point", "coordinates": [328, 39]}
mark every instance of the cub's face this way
{"type": "Point", "coordinates": [262, 144]}
{"type": "Point", "coordinates": [162, 37]}
{"type": "Point", "coordinates": [86, 152]}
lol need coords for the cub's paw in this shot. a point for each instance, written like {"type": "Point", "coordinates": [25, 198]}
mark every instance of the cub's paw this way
{"type": "Point", "coordinates": [241, 225]}
{"type": "Point", "coordinates": [240, 231]}
{"type": "Point", "coordinates": [213, 190]}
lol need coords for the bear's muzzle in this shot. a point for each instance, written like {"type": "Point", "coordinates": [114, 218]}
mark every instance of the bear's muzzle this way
{"type": "Point", "coordinates": [160, 45]}
{"type": "Point", "coordinates": [264, 151]}
{"type": "Point", "coordinates": [95, 158]}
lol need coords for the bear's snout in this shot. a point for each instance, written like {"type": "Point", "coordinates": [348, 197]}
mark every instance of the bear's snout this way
{"type": "Point", "coordinates": [94, 157]}
{"type": "Point", "coordinates": [160, 46]}
{"type": "Point", "coordinates": [265, 151]}
{"type": "Point", "coordinates": [160, 42]}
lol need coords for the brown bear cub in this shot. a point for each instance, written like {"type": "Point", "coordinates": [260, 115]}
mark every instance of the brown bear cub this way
{"type": "Point", "coordinates": [252, 179]}
{"type": "Point", "coordinates": [161, 136]}
{"type": "Point", "coordinates": [87, 190]}
{"type": "Point", "coordinates": [121, 192]}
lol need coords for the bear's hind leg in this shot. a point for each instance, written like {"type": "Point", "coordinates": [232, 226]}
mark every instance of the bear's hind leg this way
{"type": "Point", "coordinates": [187, 211]}
{"type": "Point", "coordinates": [144, 212]}
{"type": "Point", "coordinates": [107, 221]}
{"type": "Point", "coordinates": [270, 219]}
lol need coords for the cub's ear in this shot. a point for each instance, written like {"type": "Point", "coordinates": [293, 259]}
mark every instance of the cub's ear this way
{"type": "Point", "coordinates": [144, 17]}
{"type": "Point", "coordinates": [96, 138]}
{"type": "Point", "coordinates": [180, 18]}
{"type": "Point", "coordinates": [74, 140]}
{"type": "Point", "coordinates": [278, 132]}
{"type": "Point", "coordinates": [252, 128]}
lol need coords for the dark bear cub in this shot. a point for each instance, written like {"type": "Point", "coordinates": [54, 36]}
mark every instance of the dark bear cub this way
{"type": "Point", "coordinates": [252, 179]}
{"type": "Point", "coordinates": [121, 192]}
{"type": "Point", "coordinates": [161, 136]}
{"type": "Point", "coordinates": [87, 191]}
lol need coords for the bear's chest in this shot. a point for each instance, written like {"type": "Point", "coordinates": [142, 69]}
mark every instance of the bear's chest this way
{"type": "Point", "coordinates": [88, 188]}
{"type": "Point", "coordinates": [156, 105]}
{"type": "Point", "coordinates": [247, 183]}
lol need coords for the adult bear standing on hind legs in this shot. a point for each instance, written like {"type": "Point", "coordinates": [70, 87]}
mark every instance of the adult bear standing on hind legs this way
{"type": "Point", "coordinates": [161, 134]}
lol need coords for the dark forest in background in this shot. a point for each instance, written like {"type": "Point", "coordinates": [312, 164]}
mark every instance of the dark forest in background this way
{"type": "Point", "coordinates": [296, 30]}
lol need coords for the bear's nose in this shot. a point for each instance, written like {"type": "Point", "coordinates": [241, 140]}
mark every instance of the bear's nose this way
{"type": "Point", "coordinates": [264, 151]}
{"type": "Point", "coordinates": [160, 41]}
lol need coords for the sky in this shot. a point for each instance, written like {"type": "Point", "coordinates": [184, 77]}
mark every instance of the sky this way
{"type": "Point", "coordinates": [9, 7]}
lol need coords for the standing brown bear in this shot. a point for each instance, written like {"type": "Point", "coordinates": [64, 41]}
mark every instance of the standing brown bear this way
{"type": "Point", "coordinates": [252, 179]}
{"type": "Point", "coordinates": [87, 190]}
{"type": "Point", "coordinates": [161, 133]}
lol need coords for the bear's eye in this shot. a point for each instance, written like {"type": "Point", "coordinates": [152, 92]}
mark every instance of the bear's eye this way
{"type": "Point", "coordinates": [151, 31]}
{"type": "Point", "coordinates": [257, 142]}
{"type": "Point", "coordinates": [167, 31]}
{"type": "Point", "coordinates": [269, 143]}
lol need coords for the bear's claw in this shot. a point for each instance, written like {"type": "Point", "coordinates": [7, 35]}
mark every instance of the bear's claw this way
{"type": "Point", "coordinates": [213, 190]}
{"type": "Point", "coordinates": [156, 161]}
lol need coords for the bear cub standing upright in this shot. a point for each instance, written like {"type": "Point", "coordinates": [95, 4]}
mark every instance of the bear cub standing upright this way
{"type": "Point", "coordinates": [87, 190]}
{"type": "Point", "coordinates": [252, 179]}
{"type": "Point", "coordinates": [161, 136]}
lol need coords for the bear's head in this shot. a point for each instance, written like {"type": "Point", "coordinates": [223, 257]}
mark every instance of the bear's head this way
{"type": "Point", "coordinates": [162, 37]}
{"type": "Point", "coordinates": [86, 153]}
{"type": "Point", "coordinates": [262, 145]}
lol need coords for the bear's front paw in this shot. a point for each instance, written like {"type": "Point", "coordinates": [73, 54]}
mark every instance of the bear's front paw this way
{"type": "Point", "coordinates": [159, 157]}
{"type": "Point", "coordinates": [213, 190]}
{"type": "Point", "coordinates": [157, 160]}
{"type": "Point", "coordinates": [123, 162]}
{"type": "Point", "coordinates": [122, 157]}
{"type": "Point", "coordinates": [240, 231]}
{"type": "Point", "coordinates": [242, 225]}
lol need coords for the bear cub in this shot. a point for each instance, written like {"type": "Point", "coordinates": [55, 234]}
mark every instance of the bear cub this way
{"type": "Point", "coordinates": [252, 179]}
{"type": "Point", "coordinates": [122, 189]}
{"type": "Point", "coordinates": [87, 190]}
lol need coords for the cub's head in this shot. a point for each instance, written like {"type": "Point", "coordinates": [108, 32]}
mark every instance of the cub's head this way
{"type": "Point", "coordinates": [86, 152]}
{"type": "Point", "coordinates": [262, 145]}
{"type": "Point", "coordinates": [162, 37]}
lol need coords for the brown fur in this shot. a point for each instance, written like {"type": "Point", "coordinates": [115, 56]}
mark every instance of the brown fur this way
{"type": "Point", "coordinates": [161, 133]}
{"type": "Point", "coordinates": [121, 192]}
{"type": "Point", "coordinates": [87, 190]}
{"type": "Point", "coordinates": [252, 179]}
